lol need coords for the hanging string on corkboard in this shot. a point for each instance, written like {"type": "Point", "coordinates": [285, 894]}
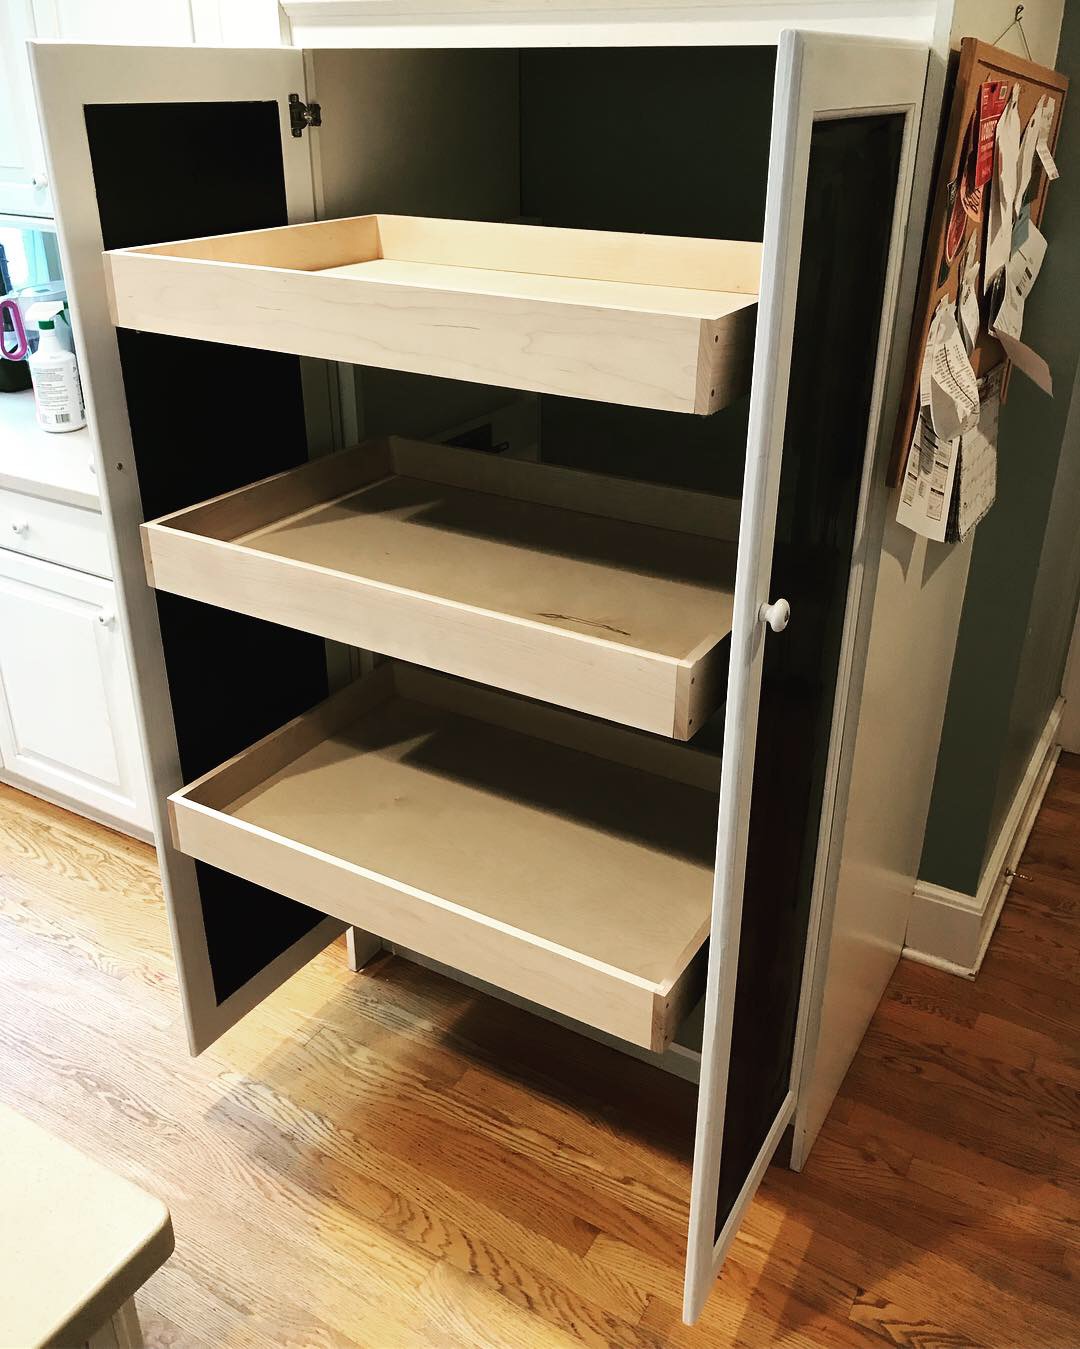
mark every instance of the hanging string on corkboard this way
{"type": "Point", "coordinates": [1018, 24]}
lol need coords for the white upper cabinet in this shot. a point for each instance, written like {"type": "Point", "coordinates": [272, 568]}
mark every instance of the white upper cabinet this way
{"type": "Point", "coordinates": [160, 22]}
{"type": "Point", "coordinates": [163, 21]}
{"type": "Point", "coordinates": [23, 186]}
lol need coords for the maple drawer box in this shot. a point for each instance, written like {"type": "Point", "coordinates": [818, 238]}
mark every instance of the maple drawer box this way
{"type": "Point", "coordinates": [602, 594]}
{"type": "Point", "coordinates": [565, 860]}
{"type": "Point", "coordinates": [638, 319]}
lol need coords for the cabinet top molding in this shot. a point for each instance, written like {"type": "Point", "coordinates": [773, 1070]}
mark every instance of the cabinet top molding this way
{"type": "Point", "coordinates": [360, 23]}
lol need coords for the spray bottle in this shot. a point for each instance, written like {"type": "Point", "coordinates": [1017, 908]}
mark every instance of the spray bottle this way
{"type": "Point", "coordinates": [57, 391]}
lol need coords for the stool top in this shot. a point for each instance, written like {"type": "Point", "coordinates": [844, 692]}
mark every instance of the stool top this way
{"type": "Point", "coordinates": [76, 1240]}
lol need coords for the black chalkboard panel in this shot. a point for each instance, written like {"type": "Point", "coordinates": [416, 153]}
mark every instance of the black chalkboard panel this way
{"type": "Point", "coordinates": [851, 190]}
{"type": "Point", "coordinates": [204, 419]}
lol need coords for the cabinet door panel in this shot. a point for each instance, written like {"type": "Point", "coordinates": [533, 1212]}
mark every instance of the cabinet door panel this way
{"type": "Point", "coordinates": [845, 119]}
{"type": "Point", "coordinates": [145, 145]}
{"type": "Point", "coordinates": [66, 722]}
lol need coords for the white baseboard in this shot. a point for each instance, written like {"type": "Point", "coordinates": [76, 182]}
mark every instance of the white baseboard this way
{"type": "Point", "coordinates": [951, 930]}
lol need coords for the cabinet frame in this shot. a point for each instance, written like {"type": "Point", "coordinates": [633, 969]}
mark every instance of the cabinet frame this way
{"type": "Point", "coordinates": [891, 81]}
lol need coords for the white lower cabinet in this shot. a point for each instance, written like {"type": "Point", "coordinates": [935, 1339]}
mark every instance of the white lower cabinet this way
{"type": "Point", "coordinates": [67, 716]}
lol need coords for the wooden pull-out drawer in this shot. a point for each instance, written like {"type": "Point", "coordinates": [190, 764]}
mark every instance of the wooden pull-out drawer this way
{"type": "Point", "coordinates": [605, 595]}
{"type": "Point", "coordinates": [638, 319]}
{"type": "Point", "coordinates": [565, 860]}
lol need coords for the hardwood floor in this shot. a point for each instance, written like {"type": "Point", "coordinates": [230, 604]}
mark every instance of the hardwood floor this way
{"type": "Point", "coordinates": [388, 1160]}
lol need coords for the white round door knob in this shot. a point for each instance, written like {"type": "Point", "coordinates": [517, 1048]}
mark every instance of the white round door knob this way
{"type": "Point", "coordinates": [41, 180]}
{"type": "Point", "coordinates": [19, 527]}
{"type": "Point", "coordinates": [106, 619]}
{"type": "Point", "coordinates": [777, 614]}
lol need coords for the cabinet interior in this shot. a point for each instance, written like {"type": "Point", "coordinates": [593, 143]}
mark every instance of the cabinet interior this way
{"type": "Point", "coordinates": [666, 141]}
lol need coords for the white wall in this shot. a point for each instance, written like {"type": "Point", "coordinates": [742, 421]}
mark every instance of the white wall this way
{"type": "Point", "coordinates": [987, 19]}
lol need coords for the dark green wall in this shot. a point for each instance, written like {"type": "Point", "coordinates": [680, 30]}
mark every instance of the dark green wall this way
{"type": "Point", "coordinates": [666, 140]}
{"type": "Point", "coordinates": [1025, 564]}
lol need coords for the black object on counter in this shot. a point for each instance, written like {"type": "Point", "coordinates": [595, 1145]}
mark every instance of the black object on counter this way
{"type": "Point", "coordinates": [14, 375]}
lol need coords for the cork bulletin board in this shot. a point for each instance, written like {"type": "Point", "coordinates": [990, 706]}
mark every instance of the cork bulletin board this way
{"type": "Point", "coordinates": [959, 212]}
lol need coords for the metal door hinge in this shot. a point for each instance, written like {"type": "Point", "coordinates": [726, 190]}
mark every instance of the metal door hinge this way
{"type": "Point", "coordinates": [303, 115]}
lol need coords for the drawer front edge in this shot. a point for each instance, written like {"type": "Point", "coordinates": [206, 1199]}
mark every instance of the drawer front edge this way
{"type": "Point", "coordinates": [575, 986]}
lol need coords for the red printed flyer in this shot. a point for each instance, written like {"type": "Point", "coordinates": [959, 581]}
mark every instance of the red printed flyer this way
{"type": "Point", "coordinates": [993, 98]}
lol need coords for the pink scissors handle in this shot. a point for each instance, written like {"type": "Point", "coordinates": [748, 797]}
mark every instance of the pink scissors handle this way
{"type": "Point", "coordinates": [22, 347]}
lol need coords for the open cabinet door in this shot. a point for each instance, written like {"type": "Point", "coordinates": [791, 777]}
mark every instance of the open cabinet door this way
{"type": "Point", "coordinates": [845, 121]}
{"type": "Point", "coordinates": [146, 145]}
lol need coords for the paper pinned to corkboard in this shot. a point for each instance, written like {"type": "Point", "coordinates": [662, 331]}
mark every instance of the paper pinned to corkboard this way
{"type": "Point", "coordinates": [986, 78]}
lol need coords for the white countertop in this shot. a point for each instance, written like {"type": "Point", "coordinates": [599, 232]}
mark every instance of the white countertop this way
{"type": "Point", "coordinates": [76, 1240]}
{"type": "Point", "coordinates": [57, 466]}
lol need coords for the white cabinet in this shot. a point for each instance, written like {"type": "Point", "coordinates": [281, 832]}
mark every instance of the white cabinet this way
{"type": "Point", "coordinates": [67, 720]}
{"type": "Point", "coordinates": [68, 726]}
{"type": "Point", "coordinates": [218, 674]}
{"type": "Point", "coordinates": [164, 21]}
{"type": "Point", "coordinates": [23, 185]}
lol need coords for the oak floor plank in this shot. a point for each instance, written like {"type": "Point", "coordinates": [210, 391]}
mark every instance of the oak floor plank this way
{"type": "Point", "coordinates": [586, 1077]}
{"type": "Point", "coordinates": [973, 1042]}
{"type": "Point", "coordinates": [907, 1329]}
{"type": "Point", "coordinates": [1013, 1094]}
{"type": "Point", "coordinates": [995, 1247]}
{"type": "Point", "coordinates": [924, 1271]}
{"type": "Point", "coordinates": [392, 1161]}
{"type": "Point", "coordinates": [456, 1221]}
{"type": "Point", "coordinates": [456, 1143]}
{"type": "Point", "coordinates": [1033, 1142]}
{"type": "Point", "coordinates": [1044, 894]}
{"type": "Point", "coordinates": [933, 1147]}
{"type": "Point", "coordinates": [462, 1309]}
{"type": "Point", "coordinates": [159, 1332]}
{"type": "Point", "coordinates": [591, 1127]}
{"type": "Point", "coordinates": [747, 1311]}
